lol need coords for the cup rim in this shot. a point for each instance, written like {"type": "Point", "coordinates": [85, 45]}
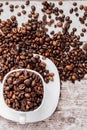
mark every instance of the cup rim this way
{"type": "Point", "coordinates": [29, 70]}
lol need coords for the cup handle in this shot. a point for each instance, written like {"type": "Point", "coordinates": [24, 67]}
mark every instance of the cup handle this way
{"type": "Point", "coordinates": [22, 119]}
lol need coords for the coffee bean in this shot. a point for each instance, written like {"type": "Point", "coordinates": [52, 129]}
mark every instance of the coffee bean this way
{"type": "Point", "coordinates": [21, 87]}
{"type": "Point", "coordinates": [11, 9]}
{"type": "Point", "coordinates": [77, 14]}
{"type": "Point", "coordinates": [16, 6]}
{"type": "Point", "coordinates": [1, 4]}
{"type": "Point", "coordinates": [27, 2]}
{"type": "Point", "coordinates": [6, 2]}
{"type": "Point", "coordinates": [19, 14]}
{"type": "Point", "coordinates": [59, 24]}
{"type": "Point", "coordinates": [85, 8]}
{"type": "Point", "coordinates": [74, 3]}
{"type": "Point", "coordinates": [22, 6]}
{"type": "Point", "coordinates": [76, 9]}
{"type": "Point", "coordinates": [27, 95]}
{"type": "Point", "coordinates": [71, 11]}
{"type": "Point", "coordinates": [13, 18]}
{"type": "Point", "coordinates": [11, 6]}
{"type": "Point", "coordinates": [36, 15]}
{"type": "Point", "coordinates": [48, 11]}
{"type": "Point", "coordinates": [85, 47]}
{"type": "Point", "coordinates": [83, 30]}
{"type": "Point", "coordinates": [69, 67]}
{"type": "Point", "coordinates": [60, 3]}
{"type": "Point", "coordinates": [33, 8]}
{"type": "Point", "coordinates": [81, 7]}
{"type": "Point", "coordinates": [23, 11]}
{"type": "Point", "coordinates": [27, 82]}
{"type": "Point", "coordinates": [74, 77]}
{"type": "Point", "coordinates": [82, 34]}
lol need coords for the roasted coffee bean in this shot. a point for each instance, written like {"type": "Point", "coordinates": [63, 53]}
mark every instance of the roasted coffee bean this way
{"type": "Point", "coordinates": [69, 67]}
{"type": "Point", "coordinates": [22, 6]}
{"type": "Point", "coordinates": [27, 82]}
{"type": "Point", "coordinates": [60, 2]}
{"type": "Point", "coordinates": [76, 9]}
{"type": "Point", "coordinates": [13, 18]}
{"type": "Point", "coordinates": [1, 4]}
{"type": "Point", "coordinates": [11, 6]}
{"type": "Point", "coordinates": [6, 2]}
{"type": "Point", "coordinates": [77, 14]}
{"type": "Point", "coordinates": [81, 7]}
{"type": "Point", "coordinates": [85, 8]}
{"type": "Point", "coordinates": [29, 94]}
{"type": "Point", "coordinates": [33, 8]}
{"type": "Point", "coordinates": [59, 24]}
{"type": "Point", "coordinates": [83, 30]}
{"type": "Point", "coordinates": [85, 47]}
{"type": "Point", "coordinates": [19, 14]}
{"type": "Point", "coordinates": [82, 34]}
{"type": "Point", "coordinates": [74, 3]}
{"type": "Point", "coordinates": [23, 11]}
{"type": "Point", "coordinates": [11, 9]}
{"type": "Point", "coordinates": [27, 2]}
{"type": "Point", "coordinates": [16, 6]}
{"type": "Point", "coordinates": [71, 11]}
{"type": "Point", "coordinates": [81, 20]}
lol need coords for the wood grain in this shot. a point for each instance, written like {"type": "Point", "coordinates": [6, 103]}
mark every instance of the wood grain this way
{"type": "Point", "coordinates": [71, 113]}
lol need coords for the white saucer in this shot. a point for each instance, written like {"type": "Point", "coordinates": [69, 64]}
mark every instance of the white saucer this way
{"type": "Point", "coordinates": [46, 109]}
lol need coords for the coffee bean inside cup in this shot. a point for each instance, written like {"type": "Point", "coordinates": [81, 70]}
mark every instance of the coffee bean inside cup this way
{"type": "Point", "coordinates": [23, 90]}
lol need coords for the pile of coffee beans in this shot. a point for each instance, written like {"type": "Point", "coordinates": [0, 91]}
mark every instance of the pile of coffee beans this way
{"type": "Point", "coordinates": [18, 44]}
{"type": "Point", "coordinates": [23, 90]}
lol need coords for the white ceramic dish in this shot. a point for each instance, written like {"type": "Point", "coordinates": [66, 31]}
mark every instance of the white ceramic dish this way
{"type": "Point", "coordinates": [47, 107]}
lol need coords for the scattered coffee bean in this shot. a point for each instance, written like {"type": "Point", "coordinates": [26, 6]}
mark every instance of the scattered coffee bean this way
{"type": "Point", "coordinates": [85, 47]}
{"type": "Point", "coordinates": [81, 7]}
{"type": "Point", "coordinates": [19, 14]}
{"type": "Point", "coordinates": [85, 8]}
{"type": "Point", "coordinates": [33, 8]}
{"type": "Point", "coordinates": [77, 14]}
{"type": "Point", "coordinates": [83, 30]}
{"type": "Point", "coordinates": [22, 6]}
{"type": "Point", "coordinates": [6, 3]}
{"type": "Point", "coordinates": [74, 3]}
{"type": "Point", "coordinates": [13, 18]}
{"type": "Point", "coordinates": [60, 2]}
{"type": "Point", "coordinates": [11, 6]}
{"type": "Point", "coordinates": [59, 24]}
{"type": "Point", "coordinates": [71, 11]}
{"type": "Point", "coordinates": [11, 9]}
{"type": "Point", "coordinates": [25, 95]}
{"type": "Point", "coordinates": [82, 34]}
{"type": "Point", "coordinates": [48, 11]}
{"type": "Point", "coordinates": [76, 9]}
{"type": "Point", "coordinates": [16, 6]}
{"type": "Point", "coordinates": [1, 4]}
{"type": "Point", "coordinates": [27, 2]}
{"type": "Point", "coordinates": [24, 12]}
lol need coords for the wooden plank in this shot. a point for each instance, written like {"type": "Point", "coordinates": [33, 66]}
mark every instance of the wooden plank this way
{"type": "Point", "coordinates": [71, 113]}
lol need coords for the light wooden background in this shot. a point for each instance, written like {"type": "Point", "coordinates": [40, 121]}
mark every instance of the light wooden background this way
{"type": "Point", "coordinates": [71, 113]}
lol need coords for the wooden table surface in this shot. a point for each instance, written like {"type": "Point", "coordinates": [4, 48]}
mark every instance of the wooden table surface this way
{"type": "Point", "coordinates": [71, 113]}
